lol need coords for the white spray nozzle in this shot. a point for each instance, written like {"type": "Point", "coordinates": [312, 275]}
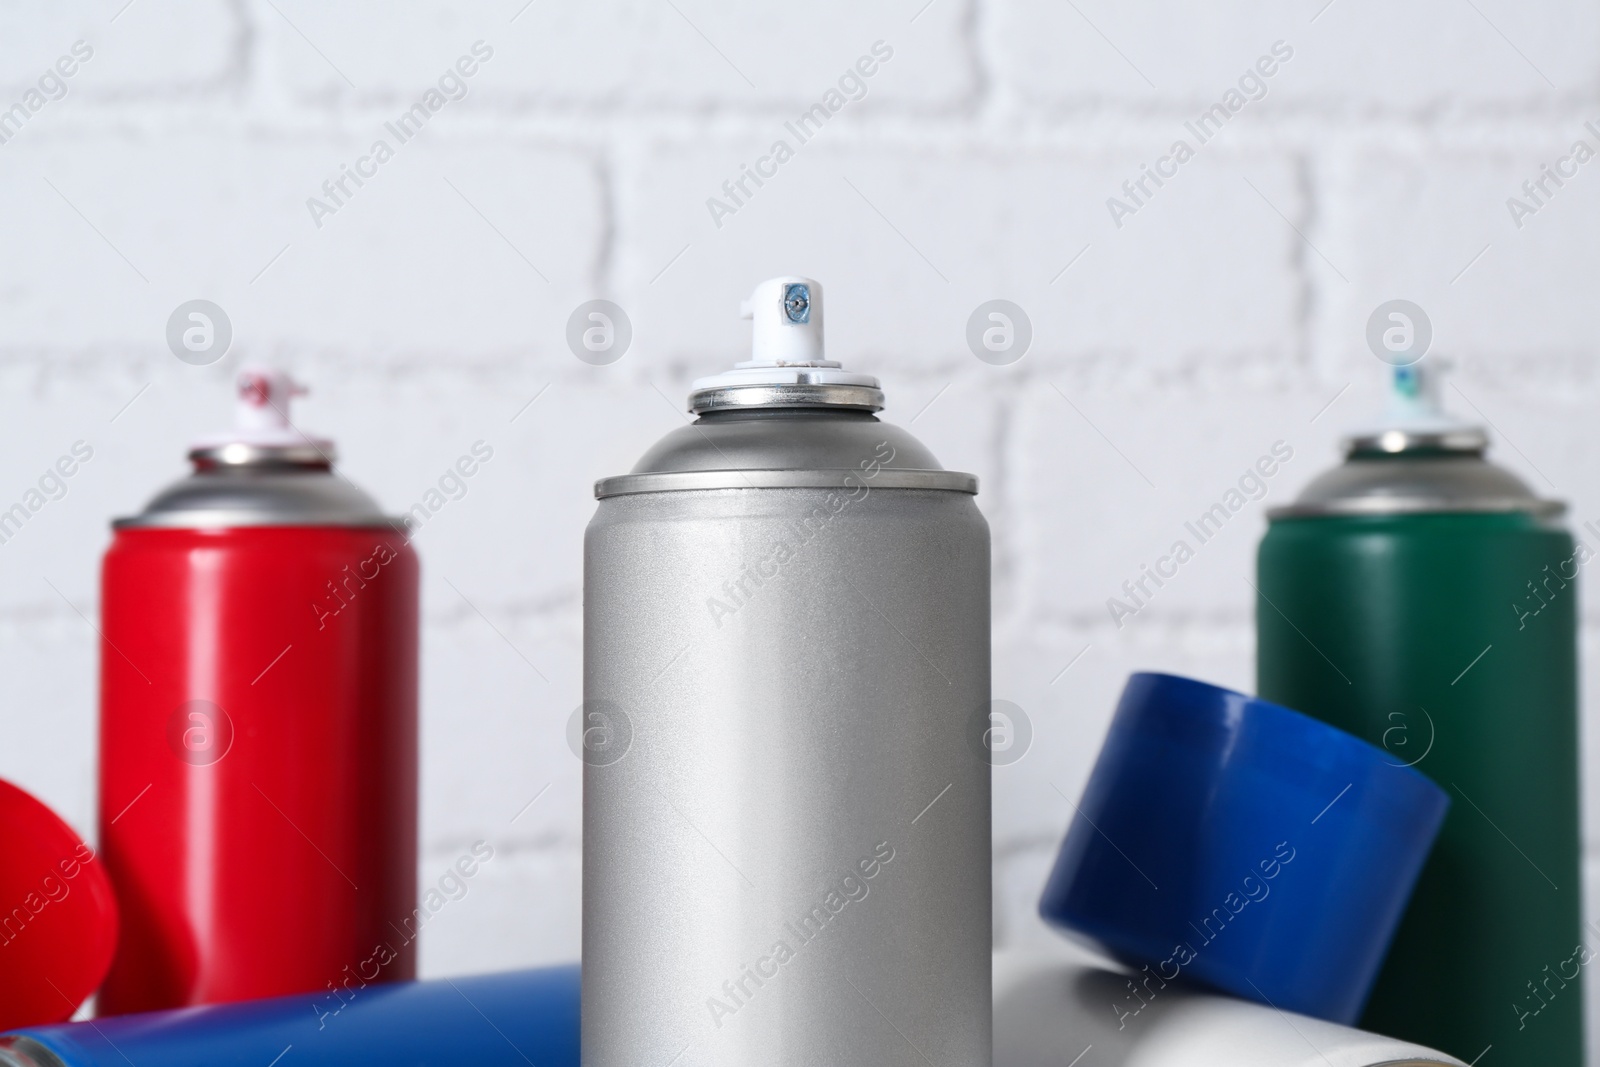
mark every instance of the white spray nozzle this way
{"type": "Point", "coordinates": [1416, 399]}
{"type": "Point", "coordinates": [261, 414]}
{"type": "Point", "coordinates": [786, 367]}
{"type": "Point", "coordinates": [263, 400]}
{"type": "Point", "coordinates": [786, 314]}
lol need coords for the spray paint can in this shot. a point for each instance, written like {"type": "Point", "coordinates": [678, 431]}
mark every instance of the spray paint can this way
{"type": "Point", "coordinates": [258, 726]}
{"type": "Point", "coordinates": [492, 1020]}
{"type": "Point", "coordinates": [1423, 598]}
{"type": "Point", "coordinates": [1051, 1007]}
{"type": "Point", "coordinates": [786, 660]}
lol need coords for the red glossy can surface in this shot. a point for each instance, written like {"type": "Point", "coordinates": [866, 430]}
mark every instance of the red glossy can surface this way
{"type": "Point", "coordinates": [57, 939]}
{"type": "Point", "coordinates": [258, 767]}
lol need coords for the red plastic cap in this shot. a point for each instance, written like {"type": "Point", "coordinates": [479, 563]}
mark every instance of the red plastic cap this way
{"type": "Point", "coordinates": [58, 916]}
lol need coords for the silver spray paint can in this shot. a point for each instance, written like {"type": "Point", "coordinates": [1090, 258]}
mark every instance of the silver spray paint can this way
{"type": "Point", "coordinates": [786, 681]}
{"type": "Point", "coordinates": [1053, 1007]}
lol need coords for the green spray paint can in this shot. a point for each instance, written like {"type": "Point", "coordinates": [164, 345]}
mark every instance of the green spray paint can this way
{"type": "Point", "coordinates": [1422, 598]}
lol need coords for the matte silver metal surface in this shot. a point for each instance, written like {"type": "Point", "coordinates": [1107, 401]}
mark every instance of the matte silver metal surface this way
{"type": "Point", "coordinates": [231, 496]}
{"type": "Point", "coordinates": [1366, 484]}
{"type": "Point", "coordinates": [799, 699]}
{"type": "Point", "coordinates": [783, 449]}
{"type": "Point", "coordinates": [783, 440]}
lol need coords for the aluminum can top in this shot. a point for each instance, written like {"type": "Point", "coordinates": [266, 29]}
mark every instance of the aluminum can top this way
{"type": "Point", "coordinates": [787, 418]}
{"type": "Point", "coordinates": [263, 472]}
{"type": "Point", "coordinates": [1418, 460]}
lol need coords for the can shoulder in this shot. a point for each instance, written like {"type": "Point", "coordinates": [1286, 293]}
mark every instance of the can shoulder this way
{"type": "Point", "coordinates": [828, 442]}
{"type": "Point", "coordinates": [788, 449]}
{"type": "Point", "coordinates": [1437, 484]}
{"type": "Point", "coordinates": [259, 498]}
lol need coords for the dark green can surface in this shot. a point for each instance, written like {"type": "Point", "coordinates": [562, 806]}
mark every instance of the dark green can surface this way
{"type": "Point", "coordinates": [1451, 641]}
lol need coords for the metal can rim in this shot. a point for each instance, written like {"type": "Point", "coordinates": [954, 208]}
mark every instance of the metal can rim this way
{"type": "Point", "coordinates": [215, 520]}
{"type": "Point", "coordinates": [1379, 506]}
{"type": "Point", "coordinates": [830, 478]}
{"type": "Point", "coordinates": [724, 397]}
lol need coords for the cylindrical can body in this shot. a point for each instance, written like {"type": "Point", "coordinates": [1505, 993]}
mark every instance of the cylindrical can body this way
{"type": "Point", "coordinates": [1450, 640]}
{"type": "Point", "coordinates": [1051, 1008]}
{"type": "Point", "coordinates": [494, 1020]}
{"type": "Point", "coordinates": [258, 730]}
{"type": "Point", "coordinates": [789, 863]}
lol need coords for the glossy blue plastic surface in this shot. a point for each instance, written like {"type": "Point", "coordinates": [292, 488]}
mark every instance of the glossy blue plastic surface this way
{"type": "Point", "coordinates": [510, 1019]}
{"type": "Point", "coordinates": [1232, 841]}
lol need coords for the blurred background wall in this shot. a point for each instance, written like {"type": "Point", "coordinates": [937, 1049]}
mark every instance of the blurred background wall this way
{"type": "Point", "coordinates": [1175, 338]}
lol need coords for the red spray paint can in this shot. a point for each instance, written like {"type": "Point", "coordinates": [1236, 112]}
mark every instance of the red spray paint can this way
{"type": "Point", "coordinates": [258, 726]}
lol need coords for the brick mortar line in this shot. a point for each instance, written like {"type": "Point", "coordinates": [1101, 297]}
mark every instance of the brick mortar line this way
{"type": "Point", "coordinates": [588, 132]}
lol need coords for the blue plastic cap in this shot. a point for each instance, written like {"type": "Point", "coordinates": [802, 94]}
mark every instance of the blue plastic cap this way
{"type": "Point", "coordinates": [1232, 841]}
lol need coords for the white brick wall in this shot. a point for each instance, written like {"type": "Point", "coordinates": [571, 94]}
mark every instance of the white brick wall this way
{"type": "Point", "coordinates": [431, 307]}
